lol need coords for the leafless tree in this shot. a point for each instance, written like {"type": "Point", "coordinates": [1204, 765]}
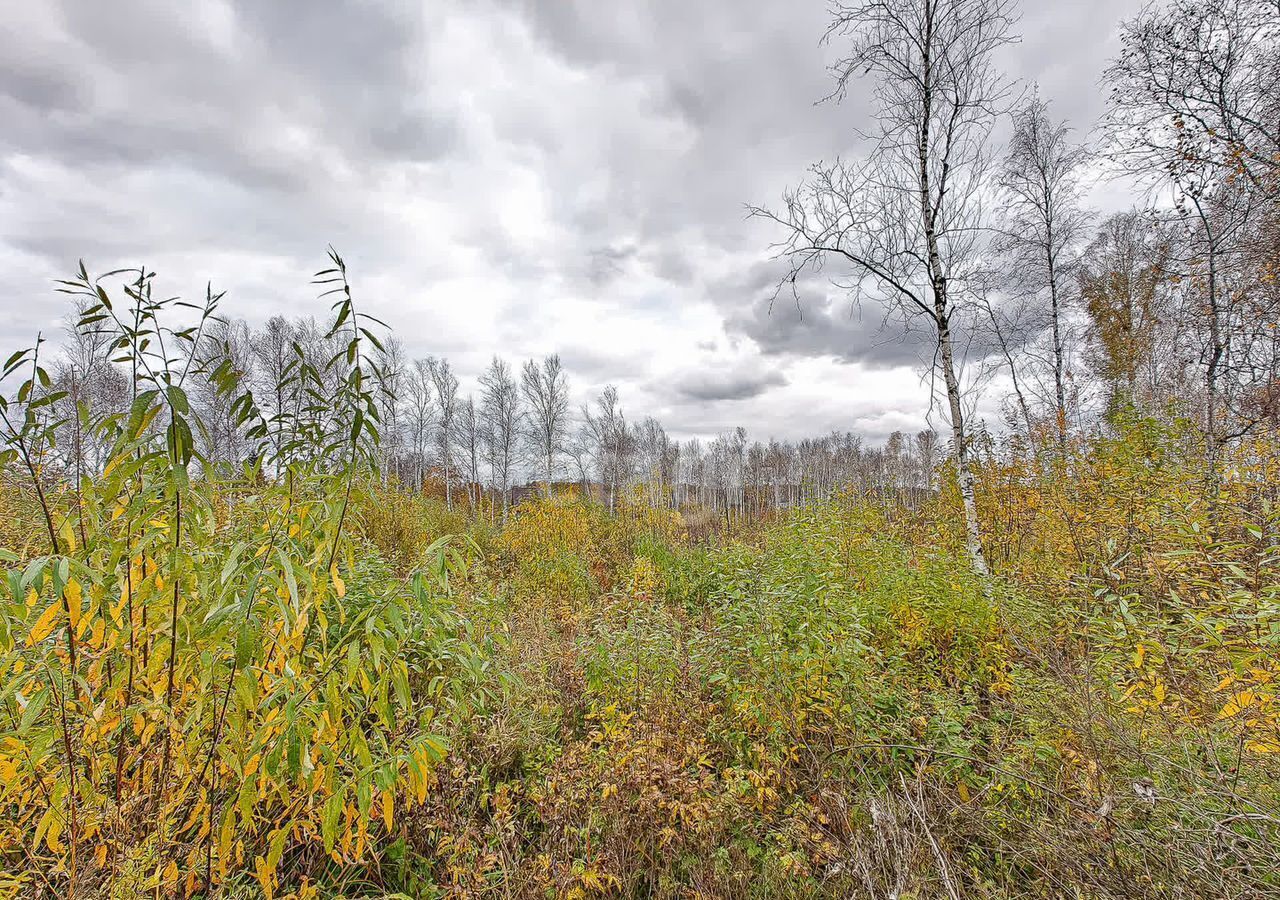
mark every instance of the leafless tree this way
{"type": "Point", "coordinates": [273, 356]}
{"type": "Point", "coordinates": [927, 456]}
{"type": "Point", "coordinates": [420, 417]}
{"type": "Point", "coordinates": [1042, 223]}
{"type": "Point", "coordinates": [719, 475]}
{"type": "Point", "coordinates": [907, 225]}
{"type": "Point", "coordinates": [693, 471]}
{"type": "Point", "coordinates": [502, 420]}
{"type": "Point", "coordinates": [777, 461]}
{"type": "Point", "coordinates": [470, 439]}
{"type": "Point", "coordinates": [580, 448]}
{"type": "Point", "coordinates": [1007, 327]}
{"type": "Point", "coordinates": [611, 442]}
{"type": "Point", "coordinates": [393, 383]}
{"type": "Point", "coordinates": [657, 460]}
{"type": "Point", "coordinates": [94, 386]}
{"type": "Point", "coordinates": [546, 391]}
{"type": "Point", "coordinates": [446, 392]}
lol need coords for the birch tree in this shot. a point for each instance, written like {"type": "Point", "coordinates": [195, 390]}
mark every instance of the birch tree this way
{"type": "Point", "coordinates": [502, 417]}
{"type": "Point", "coordinates": [420, 417]}
{"type": "Point", "coordinates": [391, 446]}
{"type": "Point", "coordinates": [906, 225]}
{"type": "Point", "coordinates": [446, 392]}
{"type": "Point", "coordinates": [546, 391]}
{"type": "Point", "coordinates": [1042, 223]}
{"type": "Point", "coordinates": [611, 441]}
{"type": "Point", "coordinates": [470, 441]}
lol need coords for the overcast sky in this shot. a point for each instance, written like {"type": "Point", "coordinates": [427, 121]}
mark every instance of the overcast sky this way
{"type": "Point", "coordinates": [502, 177]}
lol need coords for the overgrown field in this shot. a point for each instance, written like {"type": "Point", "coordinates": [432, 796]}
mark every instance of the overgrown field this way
{"type": "Point", "coordinates": [316, 687]}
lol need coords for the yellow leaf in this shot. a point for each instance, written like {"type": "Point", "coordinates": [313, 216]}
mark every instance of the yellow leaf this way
{"type": "Point", "coordinates": [51, 837]}
{"type": "Point", "coordinates": [43, 625]}
{"type": "Point", "coordinates": [75, 600]}
{"type": "Point", "coordinates": [388, 808]}
{"type": "Point", "coordinates": [1138, 655]}
{"type": "Point", "coordinates": [265, 876]}
{"type": "Point", "coordinates": [1236, 704]}
{"type": "Point", "coordinates": [225, 836]}
{"type": "Point", "coordinates": [338, 584]}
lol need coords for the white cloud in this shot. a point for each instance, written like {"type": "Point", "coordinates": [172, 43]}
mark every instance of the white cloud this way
{"type": "Point", "coordinates": [503, 176]}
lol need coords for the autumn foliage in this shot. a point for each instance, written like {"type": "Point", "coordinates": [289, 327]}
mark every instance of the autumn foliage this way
{"type": "Point", "coordinates": [298, 678]}
{"type": "Point", "coordinates": [581, 704]}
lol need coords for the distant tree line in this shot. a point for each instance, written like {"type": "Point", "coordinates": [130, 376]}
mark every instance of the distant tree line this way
{"type": "Point", "coordinates": [516, 434]}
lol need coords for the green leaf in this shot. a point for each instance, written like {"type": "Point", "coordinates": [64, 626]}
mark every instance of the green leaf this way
{"type": "Point", "coordinates": [329, 820]}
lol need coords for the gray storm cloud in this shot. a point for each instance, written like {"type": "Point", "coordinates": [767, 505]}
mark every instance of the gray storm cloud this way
{"type": "Point", "coordinates": [512, 176]}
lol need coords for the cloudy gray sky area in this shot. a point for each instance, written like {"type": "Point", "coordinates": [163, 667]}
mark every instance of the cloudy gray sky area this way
{"type": "Point", "coordinates": [510, 177]}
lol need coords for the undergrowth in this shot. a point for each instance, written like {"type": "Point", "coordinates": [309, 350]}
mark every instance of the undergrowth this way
{"type": "Point", "coordinates": [300, 680]}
